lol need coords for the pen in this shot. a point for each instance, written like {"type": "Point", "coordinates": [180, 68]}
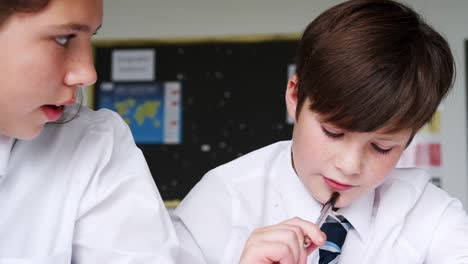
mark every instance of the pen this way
{"type": "Point", "coordinates": [326, 209]}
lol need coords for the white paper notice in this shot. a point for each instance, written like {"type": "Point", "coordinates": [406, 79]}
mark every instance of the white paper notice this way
{"type": "Point", "coordinates": [133, 65]}
{"type": "Point", "coordinates": [172, 110]}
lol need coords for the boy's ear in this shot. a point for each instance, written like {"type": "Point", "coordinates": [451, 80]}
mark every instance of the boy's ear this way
{"type": "Point", "coordinates": [291, 97]}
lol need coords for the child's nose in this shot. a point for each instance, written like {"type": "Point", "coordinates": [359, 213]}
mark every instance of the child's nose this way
{"type": "Point", "coordinates": [81, 70]}
{"type": "Point", "coordinates": [349, 163]}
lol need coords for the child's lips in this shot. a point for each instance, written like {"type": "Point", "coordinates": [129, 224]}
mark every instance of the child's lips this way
{"type": "Point", "coordinates": [337, 185]}
{"type": "Point", "coordinates": [52, 112]}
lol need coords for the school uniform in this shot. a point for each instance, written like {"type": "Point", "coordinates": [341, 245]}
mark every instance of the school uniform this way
{"type": "Point", "coordinates": [81, 192]}
{"type": "Point", "coordinates": [405, 220]}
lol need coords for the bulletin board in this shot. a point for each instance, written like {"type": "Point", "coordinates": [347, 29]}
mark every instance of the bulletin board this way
{"type": "Point", "coordinates": [222, 98]}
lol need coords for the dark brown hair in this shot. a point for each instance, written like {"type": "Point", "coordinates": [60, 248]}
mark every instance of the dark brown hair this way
{"type": "Point", "coordinates": [372, 64]}
{"type": "Point", "coordinates": [8, 7]}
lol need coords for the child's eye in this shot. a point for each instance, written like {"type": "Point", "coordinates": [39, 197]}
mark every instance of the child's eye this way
{"type": "Point", "coordinates": [63, 40]}
{"type": "Point", "coordinates": [331, 134]}
{"type": "Point", "coordinates": [381, 150]}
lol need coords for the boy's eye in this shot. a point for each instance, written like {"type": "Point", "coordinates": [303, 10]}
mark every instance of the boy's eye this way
{"type": "Point", "coordinates": [381, 150]}
{"type": "Point", "coordinates": [331, 134]}
{"type": "Point", "coordinates": [63, 40]}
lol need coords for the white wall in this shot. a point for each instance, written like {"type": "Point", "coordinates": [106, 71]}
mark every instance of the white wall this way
{"type": "Point", "coordinates": [124, 19]}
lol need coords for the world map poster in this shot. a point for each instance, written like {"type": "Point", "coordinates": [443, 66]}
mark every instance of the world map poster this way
{"type": "Point", "coordinates": [152, 110]}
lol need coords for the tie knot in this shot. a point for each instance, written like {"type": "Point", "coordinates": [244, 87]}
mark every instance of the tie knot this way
{"type": "Point", "coordinates": [336, 228]}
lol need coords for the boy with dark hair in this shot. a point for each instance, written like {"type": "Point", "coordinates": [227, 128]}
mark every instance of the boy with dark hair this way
{"type": "Point", "coordinates": [370, 74]}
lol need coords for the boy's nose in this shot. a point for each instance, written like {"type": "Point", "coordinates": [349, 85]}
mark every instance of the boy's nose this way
{"type": "Point", "coordinates": [349, 163]}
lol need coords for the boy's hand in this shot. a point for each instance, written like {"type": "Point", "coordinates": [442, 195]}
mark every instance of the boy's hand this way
{"type": "Point", "coordinates": [282, 243]}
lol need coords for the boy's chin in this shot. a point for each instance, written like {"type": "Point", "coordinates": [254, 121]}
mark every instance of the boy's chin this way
{"type": "Point", "coordinates": [345, 199]}
{"type": "Point", "coordinates": [343, 203]}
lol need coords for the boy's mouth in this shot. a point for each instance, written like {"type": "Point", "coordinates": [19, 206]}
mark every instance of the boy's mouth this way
{"type": "Point", "coordinates": [337, 185]}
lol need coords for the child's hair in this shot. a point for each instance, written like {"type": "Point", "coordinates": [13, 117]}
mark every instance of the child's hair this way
{"type": "Point", "coordinates": [372, 64]}
{"type": "Point", "coordinates": [8, 7]}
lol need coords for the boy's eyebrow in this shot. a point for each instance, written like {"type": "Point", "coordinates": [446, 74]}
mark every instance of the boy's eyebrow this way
{"type": "Point", "coordinates": [76, 27]}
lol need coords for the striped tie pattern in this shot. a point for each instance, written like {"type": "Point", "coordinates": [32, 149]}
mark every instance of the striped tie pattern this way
{"type": "Point", "coordinates": [336, 228]}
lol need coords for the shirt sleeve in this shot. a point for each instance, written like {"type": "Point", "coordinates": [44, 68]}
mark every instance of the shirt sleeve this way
{"type": "Point", "coordinates": [203, 221]}
{"type": "Point", "coordinates": [121, 218]}
{"type": "Point", "coordinates": [450, 240]}
{"type": "Point", "coordinates": [190, 251]}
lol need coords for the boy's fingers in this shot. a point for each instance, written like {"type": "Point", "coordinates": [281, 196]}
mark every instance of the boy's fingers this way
{"type": "Point", "coordinates": [301, 238]}
{"type": "Point", "coordinates": [285, 234]}
{"type": "Point", "coordinates": [266, 252]}
{"type": "Point", "coordinates": [281, 253]}
{"type": "Point", "coordinates": [283, 243]}
{"type": "Point", "coordinates": [316, 235]}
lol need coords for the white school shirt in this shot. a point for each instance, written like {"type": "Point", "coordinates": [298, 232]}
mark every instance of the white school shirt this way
{"type": "Point", "coordinates": [405, 220]}
{"type": "Point", "coordinates": [81, 192]}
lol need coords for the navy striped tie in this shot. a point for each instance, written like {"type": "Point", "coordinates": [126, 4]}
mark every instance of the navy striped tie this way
{"type": "Point", "coordinates": [335, 227]}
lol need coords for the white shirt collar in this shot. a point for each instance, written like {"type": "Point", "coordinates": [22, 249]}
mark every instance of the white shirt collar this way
{"type": "Point", "coordinates": [6, 143]}
{"type": "Point", "coordinates": [359, 214]}
{"type": "Point", "coordinates": [299, 203]}
{"type": "Point", "coordinates": [297, 200]}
